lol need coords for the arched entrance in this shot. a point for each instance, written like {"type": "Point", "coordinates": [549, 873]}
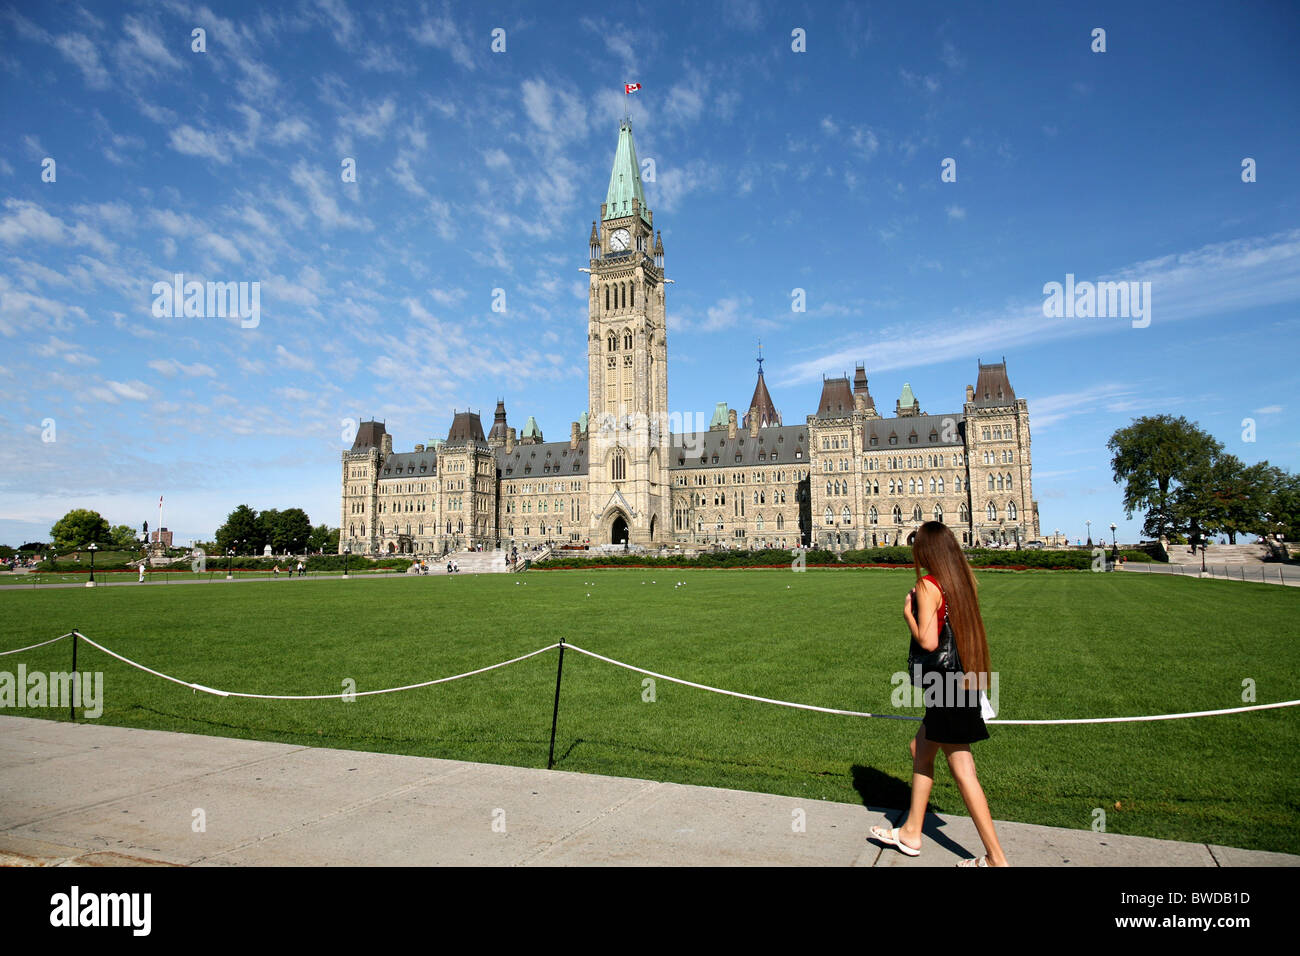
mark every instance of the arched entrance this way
{"type": "Point", "coordinates": [618, 530]}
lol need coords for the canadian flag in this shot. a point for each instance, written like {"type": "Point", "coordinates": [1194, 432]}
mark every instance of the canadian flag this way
{"type": "Point", "coordinates": [631, 87]}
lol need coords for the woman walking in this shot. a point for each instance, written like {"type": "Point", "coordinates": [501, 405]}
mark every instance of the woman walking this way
{"type": "Point", "coordinates": [955, 721]}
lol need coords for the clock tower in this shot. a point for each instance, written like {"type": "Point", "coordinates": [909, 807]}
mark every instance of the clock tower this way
{"type": "Point", "coordinates": [629, 494]}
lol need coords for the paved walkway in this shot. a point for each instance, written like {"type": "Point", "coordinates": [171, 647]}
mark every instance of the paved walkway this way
{"type": "Point", "coordinates": [95, 795]}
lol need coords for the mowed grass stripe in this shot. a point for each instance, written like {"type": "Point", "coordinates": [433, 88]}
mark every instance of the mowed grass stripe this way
{"type": "Point", "coordinates": [1064, 644]}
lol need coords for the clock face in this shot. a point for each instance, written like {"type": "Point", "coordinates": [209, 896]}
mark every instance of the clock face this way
{"type": "Point", "coordinates": [619, 240]}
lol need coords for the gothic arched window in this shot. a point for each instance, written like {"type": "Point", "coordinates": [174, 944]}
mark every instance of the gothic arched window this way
{"type": "Point", "coordinates": [938, 514]}
{"type": "Point", "coordinates": [1011, 510]}
{"type": "Point", "coordinates": [611, 342]}
{"type": "Point", "coordinates": [627, 338]}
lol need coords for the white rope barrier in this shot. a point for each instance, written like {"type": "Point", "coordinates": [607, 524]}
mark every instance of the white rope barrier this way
{"type": "Point", "coordinates": [363, 693]}
{"type": "Point", "coordinates": [854, 713]}
{"type": "Point", "coordinates": [1121, 720]}
{"type": "Point", "coordinates": [641, 670]}
{"type": "Point", "coordinates": [34, 646]}
{"type": "Point", "coordinates": [732, 693]}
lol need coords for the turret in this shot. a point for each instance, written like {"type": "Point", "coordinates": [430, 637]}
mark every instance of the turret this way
{"type": "Point", "coordinates": [659, 251]}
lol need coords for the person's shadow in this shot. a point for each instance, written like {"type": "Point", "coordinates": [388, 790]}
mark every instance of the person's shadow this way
{"type": "Point", "coordinates": [887, 795]}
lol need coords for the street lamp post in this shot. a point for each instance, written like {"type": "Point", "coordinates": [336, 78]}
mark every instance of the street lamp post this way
{"type": "Point", "coordinates": [92, 549]}
{"type": "Point", "coordinates": [1089, 524]}
{"type": "Point", "coordinates": [346, 552]}
{"type": "Point", "coordinates": [230, 554]}
{"type": "Point", "coordinates": [1114, 542]}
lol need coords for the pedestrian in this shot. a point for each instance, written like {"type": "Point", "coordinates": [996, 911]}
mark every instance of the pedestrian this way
{"type": "Point", "coordinates": [947, 595]}
{"type": "Point", "coordinates": [301, 568]}
{"type": "Point", "coordinates": [142, 572]}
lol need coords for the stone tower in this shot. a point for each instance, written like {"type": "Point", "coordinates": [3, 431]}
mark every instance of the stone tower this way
{"type": "Point", "coordinates": [628, 485]}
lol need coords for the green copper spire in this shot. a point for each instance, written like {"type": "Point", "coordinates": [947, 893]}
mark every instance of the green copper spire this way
{"type": "Point", "coordinates": [530, 428]}
{"type": "Point", "coordinates": [720, 411]}
{"type": "Point", "coordinates": [625, 178]}
{"type": "Point", "coordinates": [907, 399]}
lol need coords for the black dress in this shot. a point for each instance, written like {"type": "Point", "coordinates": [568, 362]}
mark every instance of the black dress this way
{"type": "Point", "coordinates": [959, 724]}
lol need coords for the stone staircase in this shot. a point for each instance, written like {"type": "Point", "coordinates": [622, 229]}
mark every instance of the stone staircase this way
{"type": "Point", "coordinates": [470, 562]}
{"type": "Point", "coordinates": [1219, 554]}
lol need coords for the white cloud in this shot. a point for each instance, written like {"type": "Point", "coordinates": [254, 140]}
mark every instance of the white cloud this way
{"type": "Point", "coordinates": [171, 368]}
{"type": "Point", "coordinates": [82, 52]}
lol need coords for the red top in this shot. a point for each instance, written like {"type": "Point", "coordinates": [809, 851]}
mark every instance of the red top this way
{"type": "Point", "coordinates": [943, 599]}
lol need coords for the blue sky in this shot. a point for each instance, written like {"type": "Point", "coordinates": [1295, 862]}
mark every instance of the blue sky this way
{"type": "Point", "coordinates": [479, 170]}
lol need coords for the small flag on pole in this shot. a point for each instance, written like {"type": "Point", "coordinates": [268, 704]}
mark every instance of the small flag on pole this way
{"type": "Point", "coordinates": [629, 88]}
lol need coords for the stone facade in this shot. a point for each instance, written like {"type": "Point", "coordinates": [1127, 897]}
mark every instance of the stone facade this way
{"type": "Point", "coordinates": [845, 477]}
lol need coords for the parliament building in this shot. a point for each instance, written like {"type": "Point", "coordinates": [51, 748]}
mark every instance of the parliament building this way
{"type": "Point", "coordinates": [845, 477]}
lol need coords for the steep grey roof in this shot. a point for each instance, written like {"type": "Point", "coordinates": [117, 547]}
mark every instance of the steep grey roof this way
{"type": "Point", "coordinates": [410, 464]}
{"type": "Point", "coordinates": [686, 449]}
{"type": "Point", "coordinates": [369, 435]}
{"type": "Point", "coordinates": [923, 426]}
{"type": "Point", "coordinates": [836, 400]}
{"type": "Point", "coordinates": [466, 427]}
{"type": "Point", "coordinates": [553, 459]}
{"type": "Point", "coordinates": [993, 387]}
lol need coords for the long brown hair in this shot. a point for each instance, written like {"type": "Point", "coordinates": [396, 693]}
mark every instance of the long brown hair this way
{"type": "Point", "coordinates": [935, 548]}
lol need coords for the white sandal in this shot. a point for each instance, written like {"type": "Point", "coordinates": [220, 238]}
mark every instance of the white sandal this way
{"type": "Point", "coordinates": [972, 862]}
{"type": "Point", "coordinates": [891, 838]}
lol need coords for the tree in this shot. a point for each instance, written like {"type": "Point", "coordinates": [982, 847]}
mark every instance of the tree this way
{"type": "Point", "coordinates": [79, 528]}
{"type": "Point", "coordinates": [1283, 505]}
{"type": "Point", "coordinates": [242, 531]}
{"type": "Point", "coordinates": [1150, 457]}
{"type": "Point", "coordinates": [287, 530]}
{"type": "Point", "coordinates": [324, 539]}
{"type": "Point", "coordinates": [122, 536]}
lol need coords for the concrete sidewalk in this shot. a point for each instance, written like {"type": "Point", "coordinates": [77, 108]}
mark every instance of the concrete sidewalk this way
{"type": "Point", "coordinates": [94, 795]}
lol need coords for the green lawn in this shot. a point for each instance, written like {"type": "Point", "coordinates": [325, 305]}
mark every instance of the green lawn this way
{"type": "Point", "coordinates": [1064, 645]}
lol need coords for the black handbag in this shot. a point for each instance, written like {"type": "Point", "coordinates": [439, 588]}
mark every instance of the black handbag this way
{"type": "Point", "coordinates": [943, 659]}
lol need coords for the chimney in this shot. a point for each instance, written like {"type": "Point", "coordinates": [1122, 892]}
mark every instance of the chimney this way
{"type": "Point", "coordinates": [419, 448]}
{"type": "Point", "coordinates": [510, 440]}
{"type": "Point", "coordinates": [731, 423]}
{"type": "Point", "coordinates": [970, 393]}
{"type": "Point", "coordinates": [387, 444]}
{"type": "Point", "coordinates": [753, 426]}
{"type": "Point", "coordinates": [573, 435]}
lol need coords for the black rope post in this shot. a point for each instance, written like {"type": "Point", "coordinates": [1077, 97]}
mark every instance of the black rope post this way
{"type": "Point", "coordinates": [555, 713]}
{"type": "Point", "coordinates": [72, 710]}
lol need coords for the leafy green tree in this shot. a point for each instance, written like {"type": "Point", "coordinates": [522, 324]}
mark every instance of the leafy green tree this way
{"type": "Point", "coordinates": [78, 528]}
{"type": "Point", "coordinates": [1150, 458]}
{"type": "Point", "coordinates": [1283, 506]}
{"type": "Point", "coordinates": [123, 537]}
{"type": "Point", "coordinates": [324, 539]}
{"type": "Point", "coordinates": [287, 530]}
{"type": "Point", "coordinates": [269, 524]}
{"type": "Point", "coordinates": [295, 530]}
{"type": "Point", "coordinates": [242, 531]}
